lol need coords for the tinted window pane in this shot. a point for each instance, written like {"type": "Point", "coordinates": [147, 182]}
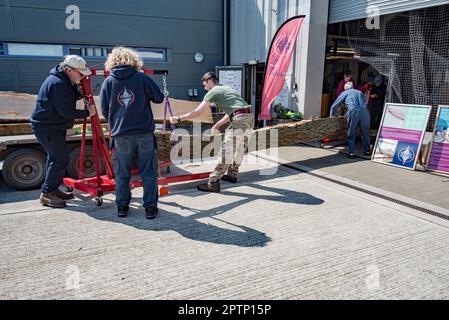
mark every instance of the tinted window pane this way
{"type": "Point", "coordinates": [25, 49]}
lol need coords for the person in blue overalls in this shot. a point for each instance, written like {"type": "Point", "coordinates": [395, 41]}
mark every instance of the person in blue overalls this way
{"type": "Point", "coordinates": [358, 116]}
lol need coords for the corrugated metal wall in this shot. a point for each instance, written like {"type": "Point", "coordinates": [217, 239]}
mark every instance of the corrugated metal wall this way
{"type": "Point", "coordinates": [183, 27]}
{"type": "Point", "coordinates": [347, 10]}
{"type": "Point", "coordinates": [248, 30]}
{"type": "Point", "coordinates": [253, 24]}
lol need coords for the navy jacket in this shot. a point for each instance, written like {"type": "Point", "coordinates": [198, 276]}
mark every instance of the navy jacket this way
{"type": "Point", "coordinates": [56, 103]}
{"type": "Point", "coordinates": [125, 101]}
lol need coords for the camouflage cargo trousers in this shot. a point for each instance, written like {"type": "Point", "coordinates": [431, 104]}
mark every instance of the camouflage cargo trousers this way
{"type": "Point", "coordinates": [234, 145]}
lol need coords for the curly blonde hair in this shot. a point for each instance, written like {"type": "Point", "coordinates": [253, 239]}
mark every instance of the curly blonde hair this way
{"type": "Point", "coordinates": [123, 56]}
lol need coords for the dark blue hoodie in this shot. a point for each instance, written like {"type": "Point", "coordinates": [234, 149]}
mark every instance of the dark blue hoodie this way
{"type": "Point", "coordinates": [56, 103]}
{"type": "Point", "coordinates": [125, 101]}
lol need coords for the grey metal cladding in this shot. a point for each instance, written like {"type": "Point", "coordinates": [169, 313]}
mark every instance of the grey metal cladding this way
{"type": "Point", "coordinates": [251, 44]}
{"type": "Point", "coordinates": [18, 74]}
{"type": "Point", "coordinates": [347, 10]}
{"type": "Point", "coordinates": [5, 32]}
{"type": "Point", "coordinates": [175, 9]}
{"type": "Point", "coordinates": [183, 27]}
{"type": "Point", "coordinates": [128, 30]}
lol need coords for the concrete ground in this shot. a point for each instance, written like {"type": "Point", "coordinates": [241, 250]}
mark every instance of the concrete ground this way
{"type": "Point", "coordinates": [287, 235]}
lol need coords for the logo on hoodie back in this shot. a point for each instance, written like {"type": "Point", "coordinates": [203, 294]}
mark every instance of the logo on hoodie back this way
{"type": "Point", "coordinates": [125, 97]}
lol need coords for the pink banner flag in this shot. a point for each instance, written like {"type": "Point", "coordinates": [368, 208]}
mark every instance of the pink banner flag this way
{"type": "Point", "coordinates": [279, 56]}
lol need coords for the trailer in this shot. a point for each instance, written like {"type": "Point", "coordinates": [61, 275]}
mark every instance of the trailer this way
{"type": "Point", "coordinates": [23, 160]}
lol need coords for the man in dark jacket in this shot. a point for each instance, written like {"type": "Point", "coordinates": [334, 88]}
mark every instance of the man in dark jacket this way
{"type": "Point", "coordinates": [377, 96]}
{"type": "Point", "coordinates": [55, 113]}
{"type": "Point", "coordinates": [125, 102]}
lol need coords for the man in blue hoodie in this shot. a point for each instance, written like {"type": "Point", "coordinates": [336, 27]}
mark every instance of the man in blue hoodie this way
{"type": "Point", "coordinates": [125, 102]}
{"type": "Point", "coordinates": [358, 116]}
{"type": "Point", "coordinates": [54, 113]}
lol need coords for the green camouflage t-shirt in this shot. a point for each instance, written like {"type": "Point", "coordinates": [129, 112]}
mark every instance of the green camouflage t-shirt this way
{"type": "Point", "coordinates": [226, 99]}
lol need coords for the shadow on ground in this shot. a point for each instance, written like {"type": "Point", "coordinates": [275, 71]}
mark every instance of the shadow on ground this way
{"type": "Point", "coordinates": [189, 225]}
{"type": "Point", "coordinates": [10, 195]}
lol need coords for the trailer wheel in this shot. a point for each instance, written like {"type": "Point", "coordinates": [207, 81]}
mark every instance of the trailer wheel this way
{"type": "Point", "coordinates": [24, 169]}
{"type": "Point", "coordinates": [89, 163]}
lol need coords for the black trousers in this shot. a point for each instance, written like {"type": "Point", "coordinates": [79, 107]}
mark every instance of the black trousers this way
{"type": "Point", "coordinates": [54, 142]}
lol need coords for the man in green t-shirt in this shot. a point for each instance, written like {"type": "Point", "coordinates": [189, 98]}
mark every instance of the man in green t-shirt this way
{"type": "Point", "coordinates": [234, 144]}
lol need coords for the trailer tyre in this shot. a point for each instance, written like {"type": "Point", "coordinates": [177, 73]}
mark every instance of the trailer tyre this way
{"type": "Point", "coordinates": [89, 163]}
{"type": "Point", "coordinates": [24, 169]}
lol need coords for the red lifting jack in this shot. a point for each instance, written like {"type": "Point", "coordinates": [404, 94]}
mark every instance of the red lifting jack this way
{"type": "Point", "coordinates": [101, 184]}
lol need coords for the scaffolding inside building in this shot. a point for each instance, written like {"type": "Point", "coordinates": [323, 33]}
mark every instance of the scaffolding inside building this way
{"type": "Point", "coordinates": [411, 49]}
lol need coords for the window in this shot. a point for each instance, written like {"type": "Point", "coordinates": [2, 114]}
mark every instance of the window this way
{"type": "Point", "coordinates": [75, 50]}
{"type": "Point", "coordinates": [89, 52]}
{"type": "Point", "coordinates": [153, 54]}
{"type": "Point", "coordinates": [42, 50]}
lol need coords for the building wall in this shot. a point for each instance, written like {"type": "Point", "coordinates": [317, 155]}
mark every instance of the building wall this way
{"type": "Point", "coordinates": [250, 30]}
{"type": "Point", "coordinates": [182, 27]}
{"type": "Point", "coordinates": [260, 19]}
{"type": "Point", "coordinates": [347, 10]}
{"type": "Point", "coordinates": [254, 23]}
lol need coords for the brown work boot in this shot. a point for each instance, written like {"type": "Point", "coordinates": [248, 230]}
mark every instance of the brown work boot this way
{"type": "Point", "coordinates": [63, 195]}
{"type": "Point", "coordinates": [52, 200]}
{"type": "Point", "coordinates": [209, 187]}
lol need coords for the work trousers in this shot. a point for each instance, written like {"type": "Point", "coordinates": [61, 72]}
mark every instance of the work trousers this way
{"type": "Point", "coordinates": [235, 143]}
{"type": "Point", "coordinates": [54, 143]}
{"type": "Point", "coordinates": [143, 148]}
{"type": "Point", "coordinates": [358, 117]}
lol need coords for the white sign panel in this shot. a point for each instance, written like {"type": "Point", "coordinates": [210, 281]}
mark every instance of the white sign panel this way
{"type": "Point", "coordinates": [231, 78]}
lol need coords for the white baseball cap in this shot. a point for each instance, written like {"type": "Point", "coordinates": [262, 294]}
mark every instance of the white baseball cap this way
{"type": "Point", "coordinates": [77, 63]}
{"type": "Point", "coordinates": [349, 85]}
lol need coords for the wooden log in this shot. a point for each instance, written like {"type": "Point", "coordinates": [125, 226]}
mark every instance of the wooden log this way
{"type": "Point", "coordinates": [18, 107]}
{"type": "Point", "coordinates": [13, 129]}
{"type": "Point", "coordinates": [285, 135]}
{"type": "Point", "coordinates": [185, 147]}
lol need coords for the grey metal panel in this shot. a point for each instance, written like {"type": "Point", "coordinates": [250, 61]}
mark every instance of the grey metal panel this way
{"type": "Point", "coordinates": [4, 26]}
{"type": "Point", "coordinates": [347, 10]}
{"type": "Point", "coordinates": [175, 9]}
{"type": "Point", "coordinates": [42, 25]}
{"type": "Point", "coordinates": [248, 31]}
{"type": "Point", "coordinates": [23, 75]}
{"type": "Point", "coordinates": [27, 75]}
{"type": "Point", "coordinates": [184, 27]}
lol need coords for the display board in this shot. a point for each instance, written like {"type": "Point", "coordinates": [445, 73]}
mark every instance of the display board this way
{"type": "Point", "coordinates": [401, 134]}
{"type": "Point", "coordinates": [231, 76]}
{"type": "Point", "coordinates": [438, 159]}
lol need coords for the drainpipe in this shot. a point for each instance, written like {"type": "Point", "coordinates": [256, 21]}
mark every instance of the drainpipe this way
{"type": "Point", "coordinates": [226, 26]}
